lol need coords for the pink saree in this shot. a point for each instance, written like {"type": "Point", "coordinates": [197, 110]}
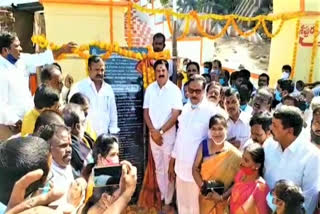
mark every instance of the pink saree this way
{"type": "Point", "coordinates": [249, 197]}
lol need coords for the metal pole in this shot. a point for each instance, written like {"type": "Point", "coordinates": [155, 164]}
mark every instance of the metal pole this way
{"type": "Point", "coordinates": [174, 44]}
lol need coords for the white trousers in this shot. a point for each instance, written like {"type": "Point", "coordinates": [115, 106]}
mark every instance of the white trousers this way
{"type": "Point", "coordinates": [161, 156]}
{"type": "Point", "coordinates": [187, 197]}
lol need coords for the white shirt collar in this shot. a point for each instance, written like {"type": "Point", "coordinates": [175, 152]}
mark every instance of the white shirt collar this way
{"type": "Point", "coordinates": [293, 146]}
{"type": "Point", "coordinates": [93, 85]}
{"type": "Point", "coordinates": [163, 87]}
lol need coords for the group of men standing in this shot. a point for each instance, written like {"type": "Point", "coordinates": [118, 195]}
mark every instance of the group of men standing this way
{"type": "Point", "coordinates": [173, 146]}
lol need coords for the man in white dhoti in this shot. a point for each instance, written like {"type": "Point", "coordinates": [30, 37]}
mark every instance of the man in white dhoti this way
{"type": "Point", "coordinates": [162, 106]}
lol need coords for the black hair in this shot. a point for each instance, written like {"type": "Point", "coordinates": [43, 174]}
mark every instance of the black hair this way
{"type": "Point", "coordinates": [257, 154]}
{"type": "Point", "coordinates": [159, 35]}
{"type": "Point", "coordinates": [197, 78]}
{"type": "Point", "coordinates": [290, 118]}
{"type": "Point", "coordinates": [245, 74]}
{"type": "Point", "coordinates": [46, 71]}
{"type": "Point", "coordinates": [79, 98]}
{"type": "Point", "coordinates": [233, 76]}
{"type": "Point", "coordinates": [45, 97]}
{"type": "Point", "coordinates": [316, 110]}
{"type": "Point", "coordinates": [289, 97]}
{"type": "Point", "coordinates": [265, 75]}
{"type": "Point", "coordinates": [209, 65]}
{"type": "Point", "coordinates": [46, 118]}
{"type": "Point", "coordinates": [291, 195]}
{"type": "Point", "coordinates": [18, 157]}
{"type": "Point", "coordinates": [227, 75]}
{"type": "Point", "coordinates": [6, 39]}
{"type": "Point", "coordinates": [287, 85]}
{"type": "Point", "coordinates": [103, 145]}
{"type": "Point", "coordinates": [161, 62]}
{"type": "Point", "coordinates": [230, 92]}
{"type": "Point", "coordinates": [71, 114]}
{"type": "Point", "coordinates": [287, 68]}
{"type": "Point", "coordinates": [217, 119]}
{"type": "Point", "coordinates": [300, 82]}
{"type": "Point", "coordinates": [194, 63]}
{"type": "Point", "coordinates": [207, 77]}
{"type": "Point", "coordinates": [244, 93]}
{"type": "Point", "coordinates": [213, 83]}
{"type": "Point", "coordinates": [218, 63]}
{"type": "Point", "coordinates": [94, 59]}
{"type": "Point", "coordinates": [264, 119]}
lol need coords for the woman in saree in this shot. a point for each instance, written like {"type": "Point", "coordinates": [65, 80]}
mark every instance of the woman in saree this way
{"type": "Point", "coordinates": [249, 191]}
{"type": "Point", "coordinates": [216, 160]}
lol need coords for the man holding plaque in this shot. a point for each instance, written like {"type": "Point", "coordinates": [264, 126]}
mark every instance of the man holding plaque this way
{"type": "Point", "coordinates": [162, 106]}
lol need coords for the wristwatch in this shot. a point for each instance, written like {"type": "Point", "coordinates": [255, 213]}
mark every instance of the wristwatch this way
{"type": "Point", "coordinates": [161, 132]}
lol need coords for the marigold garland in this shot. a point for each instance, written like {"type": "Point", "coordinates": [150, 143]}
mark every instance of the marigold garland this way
{"type": "Point", "coordinates": [295, 48]}
{"type": "Point", "coordinates": [231, 19]}
{"type": "Point", "coordinates": [314, 50]}
{"type": "Point", "coordinates": [248, 33]}
{"type": "Point", "coordinates": [270, 35]}
{"type": "Point", "coordinates": [83, 50]}
{"type": "Point", "coordinates": [202, 31]}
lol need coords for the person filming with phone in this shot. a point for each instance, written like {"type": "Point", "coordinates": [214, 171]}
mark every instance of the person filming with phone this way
{"type": "Point", "coordinates": [105, 153]}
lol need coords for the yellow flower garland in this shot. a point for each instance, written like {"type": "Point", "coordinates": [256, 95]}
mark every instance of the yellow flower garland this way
{"type": "Point", "coordinates": [83, 50]}
{"type": "Point", "coordinates": [295, 49]}
{"type": "Point", "coordinates": [231, 19]}
{"type": "Point", "coordinates": [314, 50]}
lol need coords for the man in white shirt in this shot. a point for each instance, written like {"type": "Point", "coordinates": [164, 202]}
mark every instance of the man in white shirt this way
{"type": "Point", "coordinates": [103, 109]}
{"type": "Point", "coordinates": [260, 130]}
{"type": "Point", "coordinates": [15, 97]}
{"type": "Point", "coordinates": [238, 121]}
{"type": "Point", "coordinates": [291, 156]}
{"type": "Point", "coordinates": [162, 106]}
{"type": "Point", "coordinates": [61, 150]}
{"type": "Point", "coordinates": [193, 128]}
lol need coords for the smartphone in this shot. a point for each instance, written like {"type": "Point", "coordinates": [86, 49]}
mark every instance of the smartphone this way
{"type": "Point", "coordinates": [106, 180]}
{"type": "Point", "coordinates": [106, 176]}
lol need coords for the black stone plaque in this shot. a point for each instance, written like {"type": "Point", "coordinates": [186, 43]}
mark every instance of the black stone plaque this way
{"type": "Point", "coordinates": [127, 85]}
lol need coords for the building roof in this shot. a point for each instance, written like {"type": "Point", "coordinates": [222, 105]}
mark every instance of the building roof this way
{"type": "Point", "coordinates": [8, 3]}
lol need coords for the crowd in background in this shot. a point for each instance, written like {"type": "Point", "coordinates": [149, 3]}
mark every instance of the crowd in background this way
{"type": "Point", "coordinates": [217, 144]}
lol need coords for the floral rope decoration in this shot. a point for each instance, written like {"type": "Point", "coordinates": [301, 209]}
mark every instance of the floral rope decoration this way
{"type": "Point", "coordinates": [270, 35]}
{"type": "Point", "coordinates": [83, 50]}
{"type": "Point", "coordinates": [230, 19]}
{"type": "Point", "coordinates": [295, 48]}
{"type": "Point", "coordinates": [202, 31]}
{"type": "Point", "coordinates": [314, 50]}
{"type": "Point", "coordinates": [248, 33]}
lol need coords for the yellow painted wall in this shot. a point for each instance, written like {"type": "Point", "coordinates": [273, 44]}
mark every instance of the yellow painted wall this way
{"type": "Point", "coordinates": [282, 45]}
{"type": "Point", "coordinates": [81, 24]}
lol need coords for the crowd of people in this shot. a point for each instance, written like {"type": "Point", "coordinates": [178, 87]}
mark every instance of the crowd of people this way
{"type": "Point", "coordinates": [217, 144]}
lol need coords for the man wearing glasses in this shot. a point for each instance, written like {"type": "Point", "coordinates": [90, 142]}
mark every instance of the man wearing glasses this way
{"type": "Point", "coordinates": [193, 129]}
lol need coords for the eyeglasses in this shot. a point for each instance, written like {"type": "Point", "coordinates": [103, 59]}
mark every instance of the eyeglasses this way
{"type": "Point", "coordinates": [197, 91]}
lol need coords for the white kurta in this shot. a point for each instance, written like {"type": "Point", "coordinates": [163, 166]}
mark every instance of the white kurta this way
{"type": "Point", "coordinates": [160, 102]}
{"type": "Point", "coordinates": [193, 129]}
{"type": "Point", "coordinates": [15, 96]}
{"type": "Point", "coordinates": [103, 109]}
{"type": "Point", "coordinates": [300, 163]}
